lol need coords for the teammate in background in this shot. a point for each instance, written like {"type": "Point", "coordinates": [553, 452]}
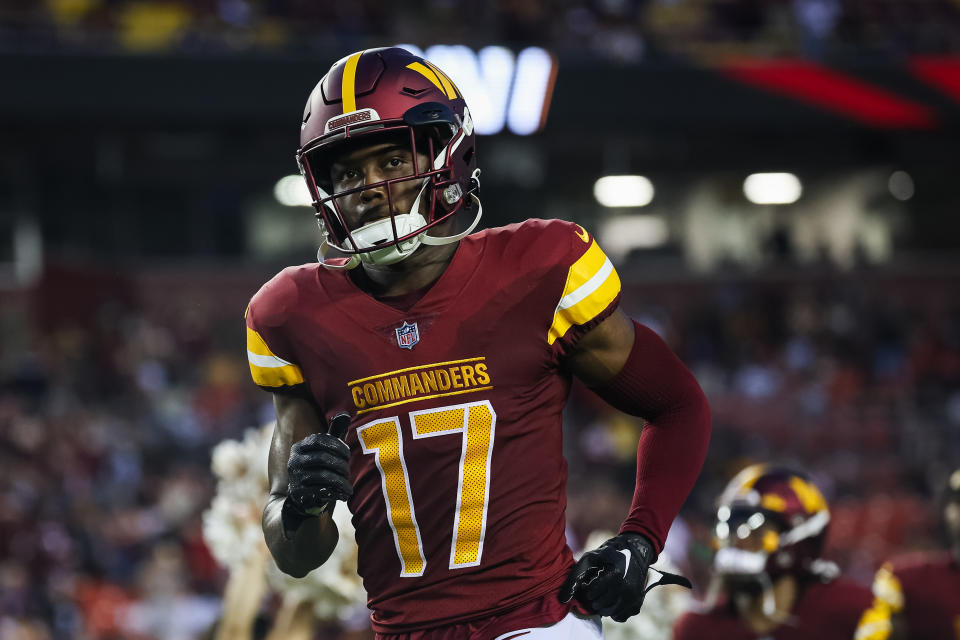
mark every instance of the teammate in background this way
{"type": "Point", "coordinates": [918, 596]}
{"type": "Point", "coordinates": [770, 581]}
{"type": "Point", "coordinates": [448, 358]}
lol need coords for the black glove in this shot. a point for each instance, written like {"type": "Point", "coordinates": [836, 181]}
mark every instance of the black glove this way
{"type": "Point", "coordinates": [612, 580]}
{"type": "Point", "coordinates": [318, 475]}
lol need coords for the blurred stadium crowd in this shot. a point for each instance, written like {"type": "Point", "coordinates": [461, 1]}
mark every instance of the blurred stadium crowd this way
{"type": "Point", "coordinates": [108, 415]}
{"type": "Point", "coordinates": [627, 30]}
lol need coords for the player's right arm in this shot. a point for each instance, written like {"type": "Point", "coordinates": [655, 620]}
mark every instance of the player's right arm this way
{"type": "Point", "coordinates": [884, 620]}
{"type": "Point", "coordinates": [307, 467]}
{"type": "Point", "coordinates": [301, 551]}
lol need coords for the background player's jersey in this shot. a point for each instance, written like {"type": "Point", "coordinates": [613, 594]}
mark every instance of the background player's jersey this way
{"type": "Point", "coordinates": [824, 611]}
{"type": "Point", "coordinates": [924, 589]}
{"type": "Point", "coordinates": [459, 480]}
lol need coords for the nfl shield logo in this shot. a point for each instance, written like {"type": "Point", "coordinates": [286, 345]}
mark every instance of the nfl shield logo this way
{"type": "Point", "coordinates": [407, 335]}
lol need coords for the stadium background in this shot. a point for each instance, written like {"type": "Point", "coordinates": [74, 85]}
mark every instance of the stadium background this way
{"type": "Point", "coordinates": [142, 142]}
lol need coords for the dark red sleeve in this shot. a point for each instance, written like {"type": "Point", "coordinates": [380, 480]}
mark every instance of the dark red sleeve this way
{"type": "Point", "coordinates": [656, 386]}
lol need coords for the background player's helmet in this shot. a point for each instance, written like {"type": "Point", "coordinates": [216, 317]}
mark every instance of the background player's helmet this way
{"type": "Point", "coordinates": [770, 521]}
{"type": "Point", "coordinates": [390, 91]}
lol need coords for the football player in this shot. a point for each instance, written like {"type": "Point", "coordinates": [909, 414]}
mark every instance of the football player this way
{"type": "Point", "coordinates": [770, 580]}
{"type": "Point", "coordinates": [917, 596]}
{"type": "Point", "coordinates": [420, 370]}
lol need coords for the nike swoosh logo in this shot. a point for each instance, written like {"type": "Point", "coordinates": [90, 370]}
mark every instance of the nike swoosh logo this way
{"type": "Point", "coordinates": [512, 635]}
{"type": "Point", "coordinates": [582, 233]}
{"type": "Point", "coordinates": [626, 554]}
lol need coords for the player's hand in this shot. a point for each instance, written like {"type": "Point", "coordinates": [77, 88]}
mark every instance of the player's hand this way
{"type": "Point", "coordinates": [318, 475]}
{"type": "Point", "coordinates": [612, 580]}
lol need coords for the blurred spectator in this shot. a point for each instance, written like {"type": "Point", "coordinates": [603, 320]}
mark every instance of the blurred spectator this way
{"type": "Point", "coordinates": [616, 29]}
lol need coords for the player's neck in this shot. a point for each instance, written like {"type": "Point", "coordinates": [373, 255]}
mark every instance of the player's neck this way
{"type": "Point", "coordinates": [785, 593]}
{"type": "Point", "coordinates": [419, 271]}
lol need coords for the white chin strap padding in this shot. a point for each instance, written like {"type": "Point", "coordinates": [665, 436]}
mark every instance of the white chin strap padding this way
{"type": "Point", "coordinates": [381, 231]}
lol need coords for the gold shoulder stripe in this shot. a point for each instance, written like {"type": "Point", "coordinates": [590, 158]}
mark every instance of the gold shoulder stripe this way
{"type": "Point", "coordinates": [267, 369]}
{"type": "Point", "coordinates": [592, 284]}
{"type": "Point", "coordinates": [348, 91]}
{"type": "Point", "coordinates": [448, 85]}
{"type": "Point", "coordinates": [875, 623]}
{"type": "Point", "coordinates": [886, 587]}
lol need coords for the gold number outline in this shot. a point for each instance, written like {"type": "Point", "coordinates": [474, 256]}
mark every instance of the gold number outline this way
{"type": "Point", "coordinates": [464, 430]}
{"type": "Point", "coordinates": [384, 484]}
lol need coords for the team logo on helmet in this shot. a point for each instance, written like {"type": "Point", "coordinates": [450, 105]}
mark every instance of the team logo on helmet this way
{"type": "Point", "coordinates": [364, 115]}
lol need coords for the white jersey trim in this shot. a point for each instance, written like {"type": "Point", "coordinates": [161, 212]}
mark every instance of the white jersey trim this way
{"type": "Point", "coordinates": [269, 362]}
{"type": "Point", "coordinates": [588, 287]}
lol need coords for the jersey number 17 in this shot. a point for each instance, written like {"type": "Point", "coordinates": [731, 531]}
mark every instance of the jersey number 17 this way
{"type": "Point", "coordinates": [475, 423]}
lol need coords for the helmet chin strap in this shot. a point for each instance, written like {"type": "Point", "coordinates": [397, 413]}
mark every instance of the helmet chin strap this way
{"type": "Point", "coordinates": [441, 240]}
{"type": "Point", "coordinates": [342, 264]}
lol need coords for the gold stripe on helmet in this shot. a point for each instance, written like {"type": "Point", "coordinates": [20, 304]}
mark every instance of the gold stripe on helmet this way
{"type": "Point", "coordinates": [810, 497]}
{"type": "Point", "coordinates": [427, 72]}
{"type": "Point", "coordinates": [348, 85]}
{"type": "Point", "coordinates": [448, 86]}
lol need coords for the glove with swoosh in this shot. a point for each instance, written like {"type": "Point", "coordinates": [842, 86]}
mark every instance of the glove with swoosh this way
{"type": "Point", "coordinates": [612, 579]}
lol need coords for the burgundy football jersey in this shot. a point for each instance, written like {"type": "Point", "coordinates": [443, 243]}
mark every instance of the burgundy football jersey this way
{"type": "Point", "coordinates": [923, 588]}
{"type": "Point", "coordinates": [459, 480]}
{"type": "Point", "coordinates": [824, 611]}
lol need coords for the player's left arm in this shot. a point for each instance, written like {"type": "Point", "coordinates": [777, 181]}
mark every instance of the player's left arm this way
{"type": "Point", "coordinates": [629, 366]}
{"type": "Point", "coordinates": [633, 369]}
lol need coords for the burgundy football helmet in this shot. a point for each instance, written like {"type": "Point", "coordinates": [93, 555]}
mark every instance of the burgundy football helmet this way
{"type": "Point", "coordinates": [770, 521]}
{"type": "Point", "coordinates": [383, 92]}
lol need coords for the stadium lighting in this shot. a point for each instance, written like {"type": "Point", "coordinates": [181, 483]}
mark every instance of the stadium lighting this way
{"type": "Point", "coordinates": [772, 188]}
{"type": "Point", "coordinates": [621, 234]}
{"type": "Point", "coordinates": [901, 185]}
{"type": "Point", "coordinates": [623, 191]}
{"type": "Point", "coordinates": [291, 191]}
{"type": "Point", "coordinates": [503, 90]}
{"type": "Point", "coordinates": [531, 91]}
